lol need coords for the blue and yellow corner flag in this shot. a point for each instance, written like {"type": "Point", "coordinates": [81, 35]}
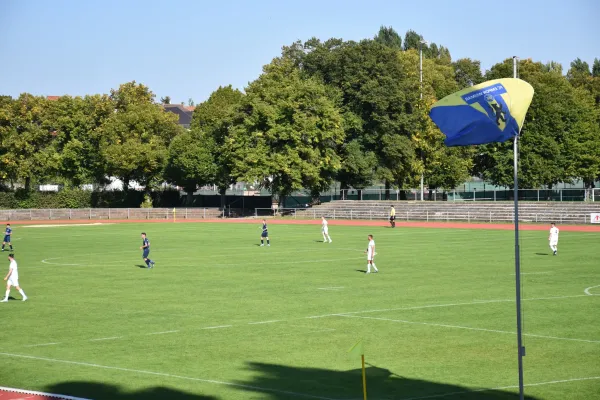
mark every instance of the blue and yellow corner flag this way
{"type": "Point", "coordinates": [493, 111]}
{"type": "Point", "coordinates": [357, 350]}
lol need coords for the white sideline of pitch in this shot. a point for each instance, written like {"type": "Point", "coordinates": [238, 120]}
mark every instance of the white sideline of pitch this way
{"type": "Point", "coordinates": [268, 389]}
{"type": "Point", "coordinates": [437, 396]}
{"type": "Point", "coordinates": [139, 371]}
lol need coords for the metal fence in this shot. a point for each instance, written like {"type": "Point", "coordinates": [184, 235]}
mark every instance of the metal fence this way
{"type": "Point", "coordinates": [474, 215]}
{"type": "Point", "coordinates": [590, 195]}
{"type": "Point", "coordinates": [108, 214]}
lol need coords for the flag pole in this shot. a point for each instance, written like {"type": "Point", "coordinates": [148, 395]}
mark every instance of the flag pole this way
{"type": "Point", "coordinates": [364, 377]}
{"type": "Point", "coordinates": [520, 348]}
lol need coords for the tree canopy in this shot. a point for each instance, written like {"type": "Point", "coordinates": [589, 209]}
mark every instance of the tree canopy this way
{"type": "Point", "coordinates": [329, 110]}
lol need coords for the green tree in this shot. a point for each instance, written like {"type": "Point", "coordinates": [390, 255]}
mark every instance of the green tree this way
{"type": "Point", "coordinates": [412, 40]}
{"type": "Point", "coordinates": [553, 66]}
{"type": "Point", "coordinates": [165, 100]}
{"type": "Point", "coordinates": [357, 168]}
{"type": "Point", "coordinates": [190, 163]}
{"type": "Point", "coordinates": [467, 72]}
{"type": "Point", "coordinates": [583, 146]}
{"type": "Point", "coordinates": [449, 167]}
{"type": "Point", "coordinates": [286, 131]}
{"type": "Point", "coordinates": [431, 157]}
{"type": "Point", "coordinates": [579, 66]}
{"type": "Point", "coordinates": [387, 36]}
{"type": "Point", "coordinates": [26, 135]}
{"type": "Point", "coordinates": [580, 77]}
{"type": "Point", "coordinates": [596, 68]}
{"type": "Point", "coordinates": [76, 122]}
{"type": "Point", "coordinates": [6, 121]}
{"type": "Point", "coordinates": [380, 89]}
{"type": "Point", "coordinates": [376, 103]}
{"type": "Point", "coordinates": [131, 93]}
{"type": "Point", "coordinates": [213, 120]}
{"type": "Point", "coordinates": [135, 138]}
{"type": "Point", "coordinates": [558, 119]}
{"type": "Point", "coordinates": [579, 74]}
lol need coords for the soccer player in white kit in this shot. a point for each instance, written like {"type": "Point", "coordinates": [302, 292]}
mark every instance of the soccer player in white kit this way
{"type": "Point", "coordinates": [371, 255]}
{"type": "Point", "coordinates": [325, 230]}
{"type": "Point", "coordinates": [12, 279]}
{"type": "Point", "coordinates": [553, 238]}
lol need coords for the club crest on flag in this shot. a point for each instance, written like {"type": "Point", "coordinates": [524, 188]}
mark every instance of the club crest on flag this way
{"type": "Point", "coordinates": [490, 101]}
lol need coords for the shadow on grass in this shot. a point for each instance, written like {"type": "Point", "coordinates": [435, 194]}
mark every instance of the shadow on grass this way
{"type": "Point", "coordinates": [280, 382]}
{"type": "Point", "coordinates": [364, 271]}
{"type": "Point", "coordinates": [141, 266]}
{"type": "Point", "coordinates": [285, 383]}
{"type": "Point", "coordinates": [542, 254]}
{"type": "Point", "coordinates": [102, 391]}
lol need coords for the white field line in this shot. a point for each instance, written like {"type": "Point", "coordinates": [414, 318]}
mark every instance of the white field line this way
{"type": "Point", "coordinates": [144, 372]}
{"type": "Point", "coordinates": [587, 291]}
{"type": "Point", "coordinates": [228, 254]}
{"type": "Point", "coordinates": [33, 392]}
{"type": "Point", "coordinates": [106, 338]}
{"type": "Point", "coordinates": [437, 396]}
{"type": "Point", "coordinates": [468, 328]}
{"type": "Point", "coordinates": [442, 305]}
{"type": "Point", "coordinates": [47, 261]}
{"type": "Point", "coordinates": [265, 322]}
{"type": "Point", "coordinates": [349, 313]}
{"type": "Point", "coordinates": [261, 388]}
{"type": "Point", "coordinates": [42, 344]}
{"type": "Point", "coordinates": [86, 264]}
{"type": "Point", "coordinates": [64, 225]}
{"type": "Point", "coordinates": [217, 327]}
{"type": "Point", "coordinates": [331, 288]}
{"type": "Point", "coordinates": [161, 333]}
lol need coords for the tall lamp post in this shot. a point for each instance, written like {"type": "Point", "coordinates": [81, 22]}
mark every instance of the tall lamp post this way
{"type": "Point", "coordinates": [421, 43]}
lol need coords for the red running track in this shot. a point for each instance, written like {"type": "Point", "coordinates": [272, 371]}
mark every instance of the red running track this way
{"type": "Point", "coordinates": [399, 224]}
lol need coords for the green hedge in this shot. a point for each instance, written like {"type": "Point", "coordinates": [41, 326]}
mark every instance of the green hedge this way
{"type": "Point", "coordinates": [75, 198]}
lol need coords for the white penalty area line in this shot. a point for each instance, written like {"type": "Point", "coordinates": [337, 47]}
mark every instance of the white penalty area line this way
{"type": "Point", "coordinates": [437, 396]}
{"type": "Point", "coordinates": [469, 303]}
{"type": "Point", "coordinates": [331, 288]}
{"type": "Point", "coordinates": [188, 378]}
{"type": "Point", "coordinates": [468, 328]}
{"type": "Point", "coordinates": [343, 314]}
{"type": "Point", "coordinates": [33, 392]}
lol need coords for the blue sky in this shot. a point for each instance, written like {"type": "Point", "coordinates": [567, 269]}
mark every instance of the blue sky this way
{"type": "Point", "coordinates": [186, 49]}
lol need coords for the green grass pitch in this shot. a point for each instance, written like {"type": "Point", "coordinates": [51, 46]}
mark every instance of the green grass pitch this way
{"type": "Point", "coordinates": [221, 318]}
